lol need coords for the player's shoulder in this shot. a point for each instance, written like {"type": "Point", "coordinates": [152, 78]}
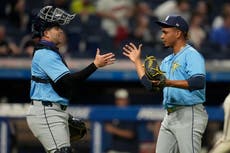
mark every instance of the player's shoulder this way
{"type": "Point", "coordinates": [167, 58]}
{"type": "Point", "coordinates": [45, 54]}
{"type": "Point", "coordinates": [191, 51]}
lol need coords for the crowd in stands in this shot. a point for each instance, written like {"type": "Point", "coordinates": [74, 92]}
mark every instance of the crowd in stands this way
{"type": "Point", "coordinates": [109, 24]}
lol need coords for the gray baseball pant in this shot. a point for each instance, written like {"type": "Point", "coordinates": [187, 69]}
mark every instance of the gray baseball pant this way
{"type": "Point", "coordinates": [182, 130]}
{"type": "Point", "coordinates": [49, 125]}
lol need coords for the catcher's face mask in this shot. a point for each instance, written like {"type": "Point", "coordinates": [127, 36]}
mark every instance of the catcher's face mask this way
{"type": "Point", "coordinates": [51, 14]}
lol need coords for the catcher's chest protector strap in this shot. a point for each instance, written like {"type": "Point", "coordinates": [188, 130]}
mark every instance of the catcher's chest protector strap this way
{"type": "Point", "coordinates": [40, 80]}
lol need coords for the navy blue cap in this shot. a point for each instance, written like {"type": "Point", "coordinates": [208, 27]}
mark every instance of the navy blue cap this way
{"type": "Point", "coordinates": [174, 21]}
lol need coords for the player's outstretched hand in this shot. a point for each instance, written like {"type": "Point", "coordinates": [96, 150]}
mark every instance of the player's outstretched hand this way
{"type": "Point", "coordinates": [104, 59]}
{"type": "Point", "coordinates": [132, 52]}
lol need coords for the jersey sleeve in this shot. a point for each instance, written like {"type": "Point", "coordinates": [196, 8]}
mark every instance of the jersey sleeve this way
{"type": "Point", "coordinates": [51, 63]}
{"type": "Point", "coordinates": [195, 64]}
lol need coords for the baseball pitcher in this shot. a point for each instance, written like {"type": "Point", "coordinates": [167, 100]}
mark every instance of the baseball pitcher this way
{"type": "Point", "coordinates": [181, 76]}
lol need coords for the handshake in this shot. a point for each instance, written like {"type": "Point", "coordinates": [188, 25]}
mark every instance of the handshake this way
{"type": "Point", "coordinates": [150, 68]}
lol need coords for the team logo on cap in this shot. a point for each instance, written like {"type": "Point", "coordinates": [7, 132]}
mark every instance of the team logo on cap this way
{"type": "Point", "coordinates": [167, 18]}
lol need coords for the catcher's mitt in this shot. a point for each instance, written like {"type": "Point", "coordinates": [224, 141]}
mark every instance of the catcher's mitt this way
{"type": "Point", "coordinates": [153, 72]}
{"type": "Point", "coordinates": [77, 128]}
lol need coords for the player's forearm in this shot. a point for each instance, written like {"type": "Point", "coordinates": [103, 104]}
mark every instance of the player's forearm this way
{"type": "Point", "coordinates": [66, 84]}
{"type": "Point", "coordinates": [195, 82]}
{"type": "Point", "coordinates": [139, 68]}
{"type": "Point", "coordinates": [85, 73]}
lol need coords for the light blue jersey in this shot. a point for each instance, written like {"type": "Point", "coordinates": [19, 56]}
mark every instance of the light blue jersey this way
{"type": "Point", "coordinates": [47, 64]}
{"type": "Point", "coordinates": [185, 64]}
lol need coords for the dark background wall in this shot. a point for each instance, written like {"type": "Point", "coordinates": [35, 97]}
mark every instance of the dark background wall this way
{"type": "Point", "coordinates": [101, 92]}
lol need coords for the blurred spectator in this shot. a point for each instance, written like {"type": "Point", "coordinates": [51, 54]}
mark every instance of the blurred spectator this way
{"type": "Point", "coordinates": [28, 43]}
{"type": "Point", "coordinates": [115, 15]}
{"type": "Point", "coordinates": [28, 48]}
{"type": "Point", "coordinates": [204, 8]}
{"type": "Point", "coordinates": [143, 8]}
{"type": "Point", "coordinates": [140, 28]}
{"type": "Point", "coordinates": [221, 35]}
{"type": "Point", "coordinates": [124, 133]}
{"type": "Point", "coordinates": [82, 7]}
{"type": "Point", "coordinates": [141, 32]}
{"type": "Point", "coordinates": [196, 32]}
{"type": "Point", "coordinates": [17, 14]}
{"type": "Point", "coordinates": [173, 7]}
{"type": "Point", "coordinates": [7, 47]}
{"type": "Point", "coordinates": [153, 127]}
{"type": "Point", "coordinates": [3, 9]}
{"type": "Point", "coordinates": [219, 19]}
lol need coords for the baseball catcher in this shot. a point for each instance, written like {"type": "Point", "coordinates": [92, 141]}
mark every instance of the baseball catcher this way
{"type": "Point", "coordinates": [53, 84]}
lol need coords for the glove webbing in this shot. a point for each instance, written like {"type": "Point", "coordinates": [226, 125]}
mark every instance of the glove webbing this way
{"type": "Point", "coordinates": [157, 70]}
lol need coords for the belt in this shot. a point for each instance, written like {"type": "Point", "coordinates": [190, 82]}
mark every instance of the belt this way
{"type": "Point", "coordinates": [173, 109]}
{"type": "Point", "coordinates": [48, 104]}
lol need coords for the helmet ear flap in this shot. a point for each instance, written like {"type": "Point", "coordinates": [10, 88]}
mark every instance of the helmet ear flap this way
{"type": "Point", "coordinates": [38, 27]}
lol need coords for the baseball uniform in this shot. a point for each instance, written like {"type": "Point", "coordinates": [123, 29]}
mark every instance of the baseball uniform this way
{"type": "Point", "coordinates": [48, 124]}
{"type": "Point", "coordinates": [186, 118]}
{"type": "Point", "coordinates": [52, 84]}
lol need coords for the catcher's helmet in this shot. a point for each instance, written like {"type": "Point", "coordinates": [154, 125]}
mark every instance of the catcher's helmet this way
{"type": "Point", "coordinates": [48, 17]}
{"type": "Point", "coordinates": [51, 14]}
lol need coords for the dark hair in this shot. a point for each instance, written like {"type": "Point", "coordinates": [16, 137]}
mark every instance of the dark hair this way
{"type": "Point", "coordinates": [225, 13]}
{"type": "Point", "coordinates": [181, 1]}
{"type": "Point", "coordinates": [185, 35]}
{"type": "Point", "coordinates": [39, 26]}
